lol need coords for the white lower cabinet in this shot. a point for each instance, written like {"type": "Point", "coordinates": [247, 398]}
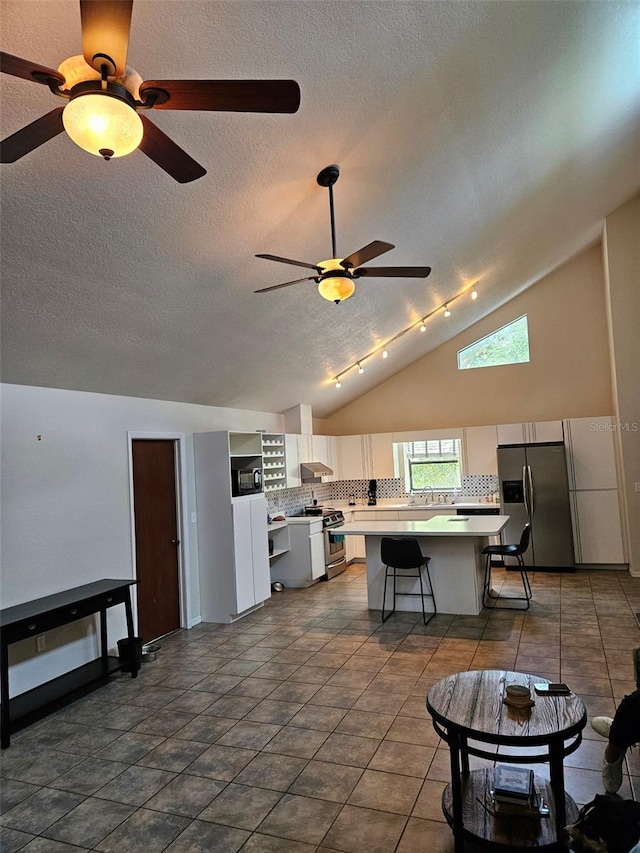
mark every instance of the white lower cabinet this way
{"type": "Point", "coordinates": [316, 555]}
{"type": "Point", "coordinates": [233, 556]}
{"type": "Point", "coordinates": [251, 554]}
{"type": "Point", "coordinates": [597, 532]}
{"type": "Point", "coordinates": [303, 564]}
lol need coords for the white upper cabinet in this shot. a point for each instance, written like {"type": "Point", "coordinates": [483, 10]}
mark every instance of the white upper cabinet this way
{"type": "Point", "coordinates": [351, 451]}
{"type": "Point", "coordinates": [381, 455]}
{"type": "Point", "coordinates": [335, 458]}
{"type": "Point", "coordinates": [530, 432]}
{"type": "Point", "coordinates": [480, 445]}
{"type": "Point", "coordinates": [320, 449]}
{"type": "Point", "coordinates": [591, 457]}
{"type": "Point", "coordinates": [305, 448]}
{"type": "Point", "coordinates": [547, 431]}
{"type": "Point", "coordinates": [366, 457]}
{"type": "Point", "coordinates": [292, 460]}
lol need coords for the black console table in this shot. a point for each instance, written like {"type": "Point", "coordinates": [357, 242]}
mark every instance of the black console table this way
{"type": "Point", "coordinates": [35, 617]}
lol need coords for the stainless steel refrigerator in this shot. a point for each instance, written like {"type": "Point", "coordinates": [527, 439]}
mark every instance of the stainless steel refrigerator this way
{"type": "Point", "coordinates": [534, 487]}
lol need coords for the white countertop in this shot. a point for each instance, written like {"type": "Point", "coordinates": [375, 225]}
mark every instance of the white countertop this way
{"type": "Point", "coordinates": [441, 525]}
{"type": "Point", "coordinates": [405, 505]}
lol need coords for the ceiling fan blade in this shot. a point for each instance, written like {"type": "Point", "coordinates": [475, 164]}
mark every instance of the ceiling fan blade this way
{"type": "Point", "coordinates": [246, 96]}
{"type": "Point", "coordinates": [169, 156]}
{"type": "Point", "coordinates": [286, 284]}
{"type": "Point", "coordinates": [39, 131]}
{"type": "Point", "coordinates": [28, 70]}
{"type": "Point", "coordinates": [105, 33]}
{"type": "Point", "coordinates": [367, 253]}
{"type": "Point", "coordinates": [289, 261]}
{"type": "Point", "coordinates": [393, 272]}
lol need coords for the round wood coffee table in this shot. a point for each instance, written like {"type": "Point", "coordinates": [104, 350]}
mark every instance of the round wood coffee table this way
{"type": "Point", "coordinates": [468, 706]}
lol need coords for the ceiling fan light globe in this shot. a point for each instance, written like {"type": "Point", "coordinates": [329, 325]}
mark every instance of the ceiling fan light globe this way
{"type": "Point", "coordinates": [336, 289]}
{"type": "Point", "coordinates": [101, 121]}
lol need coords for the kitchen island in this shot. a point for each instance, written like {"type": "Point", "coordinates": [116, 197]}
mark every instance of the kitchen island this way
{"type": "Point", "coordinates": [454, 543]}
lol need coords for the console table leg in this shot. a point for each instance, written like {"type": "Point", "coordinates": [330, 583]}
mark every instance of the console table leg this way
{"type": "Point", "coordinates": [129, 613]}
{"type": "Point", "coordinates": [104, 654]}
{"type": "Point", "coordinates": [456, 793]}
{"type": "Point", "coordinates": [556, 777]}
{"type": "Point", "coordinates": [4, 694]}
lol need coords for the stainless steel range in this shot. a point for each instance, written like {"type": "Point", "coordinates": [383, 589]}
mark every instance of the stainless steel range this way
{"type": "Point", "coordinates": [335, 555]}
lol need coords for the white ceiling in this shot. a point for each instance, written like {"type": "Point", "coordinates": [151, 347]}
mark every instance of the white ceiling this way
{"type": "Point", "coordinates": [485, 139]}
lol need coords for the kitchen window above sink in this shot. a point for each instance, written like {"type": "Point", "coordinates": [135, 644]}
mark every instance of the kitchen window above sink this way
{"type": "Point", "coordinates": [432, 465]}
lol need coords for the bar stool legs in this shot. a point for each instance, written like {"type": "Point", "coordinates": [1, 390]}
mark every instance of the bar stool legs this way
{"type": "Point", "coordinates": [490, 596]}
{"type": "Point", "coordinates": [402, 558]}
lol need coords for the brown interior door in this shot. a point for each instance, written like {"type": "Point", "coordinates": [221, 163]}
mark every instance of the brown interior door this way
{"type": "Point", "coordinates": [156, 532]}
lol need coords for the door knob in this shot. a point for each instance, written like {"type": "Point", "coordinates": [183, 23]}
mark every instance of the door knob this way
{"type": "Point", "coordinates": [175, 541]}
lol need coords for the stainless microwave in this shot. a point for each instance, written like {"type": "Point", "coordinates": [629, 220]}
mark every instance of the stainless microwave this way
{"type": "Point", "coordinates": [246, 481]}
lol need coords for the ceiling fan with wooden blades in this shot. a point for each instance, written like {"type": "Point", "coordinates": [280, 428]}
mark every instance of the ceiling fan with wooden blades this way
{"type": "Point", "coordinates": [336, 277]}
{"type": "Point", "coordinates": [106, 99]}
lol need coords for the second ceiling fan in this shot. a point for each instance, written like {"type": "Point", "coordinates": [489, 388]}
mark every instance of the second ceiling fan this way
{"type": "Point", "coordinates": [336, 277]}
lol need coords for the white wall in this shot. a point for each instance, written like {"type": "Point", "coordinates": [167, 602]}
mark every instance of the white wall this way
{"type": "Point", "coordinates": [66, 514]}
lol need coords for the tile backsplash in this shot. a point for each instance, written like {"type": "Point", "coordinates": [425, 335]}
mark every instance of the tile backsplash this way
{"type": "Point", "coordinates": [290, 501]}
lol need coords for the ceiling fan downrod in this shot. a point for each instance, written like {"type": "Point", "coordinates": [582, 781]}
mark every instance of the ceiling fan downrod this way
{"type": "Point", "coordinates": [327, 178]}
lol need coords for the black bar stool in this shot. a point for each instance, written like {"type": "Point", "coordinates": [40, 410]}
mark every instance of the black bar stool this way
{"type": "Point", "coordinates": [404, 555]}
{"type": "Point", "coordinates": [516, 551]}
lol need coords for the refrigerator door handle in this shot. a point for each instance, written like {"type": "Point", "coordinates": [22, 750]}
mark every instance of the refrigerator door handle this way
{"type": "Point", "coordinates": [531, 493]}
{"type": "Point", "coordinates": [525, 490]}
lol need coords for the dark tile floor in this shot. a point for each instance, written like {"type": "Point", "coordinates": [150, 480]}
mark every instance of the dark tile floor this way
{"type": "Point", "coordinates": [302, 728]}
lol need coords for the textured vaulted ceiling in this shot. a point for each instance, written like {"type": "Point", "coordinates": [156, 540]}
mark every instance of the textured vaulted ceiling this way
{"type": "Point", "coordinates": [485, 139]}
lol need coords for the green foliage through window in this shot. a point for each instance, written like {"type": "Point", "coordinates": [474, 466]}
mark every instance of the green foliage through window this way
{"type": "Point", "coordinates": [433, 464]}
{"type": "Point", "coordinates": [508, 345]}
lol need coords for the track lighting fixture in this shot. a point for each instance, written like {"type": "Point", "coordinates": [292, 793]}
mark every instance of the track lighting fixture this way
{"type": "Point", "coordinates": [421, 324]}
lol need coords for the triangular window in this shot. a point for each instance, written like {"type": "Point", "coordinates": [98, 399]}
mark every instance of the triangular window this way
{"type": "Point", "coordinates": [507, 345]}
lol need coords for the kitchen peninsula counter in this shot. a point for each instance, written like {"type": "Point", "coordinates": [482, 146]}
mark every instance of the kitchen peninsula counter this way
{"type": "Point", "coordinates": [454, 544]}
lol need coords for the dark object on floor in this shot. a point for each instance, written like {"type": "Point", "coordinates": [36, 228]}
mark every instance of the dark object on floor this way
{"type": "Point", "coordinates": [130, 651]}
{"type": "Point", "coordinates": [404, 556]}
{"type": "Point", "coordinates": [516, 550]}
{"type": "Point", "coordinates": [605, 821]}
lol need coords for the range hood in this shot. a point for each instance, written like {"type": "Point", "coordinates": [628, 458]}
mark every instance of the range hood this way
{"type": "Point", "coordinates": [311, 472]}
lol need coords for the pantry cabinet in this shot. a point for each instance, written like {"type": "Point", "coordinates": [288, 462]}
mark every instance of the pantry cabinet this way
{"type": "Point", "coordinates": [597, 533]}
{"type": "Point", "coordinates": [591, 453]}
{"type": "Point", "coordinates": [233, 550]}
{"type": "Point", "coordinates": [593, 491]}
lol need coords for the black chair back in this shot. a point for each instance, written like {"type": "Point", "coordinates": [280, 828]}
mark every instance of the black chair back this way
{"type": "Point", "coordinates": [401, 553]}
{"type": "Point", "coordinates": [524, 539]}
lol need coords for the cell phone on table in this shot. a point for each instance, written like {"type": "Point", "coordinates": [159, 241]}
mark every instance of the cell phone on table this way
{"type": "Point", "coordinates": [552, 689]}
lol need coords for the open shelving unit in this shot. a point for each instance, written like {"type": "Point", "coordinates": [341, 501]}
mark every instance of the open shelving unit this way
{"type": "Point", "coordinates": [274, 469]}
{"type": "Point", "coordinates": [278, 532]}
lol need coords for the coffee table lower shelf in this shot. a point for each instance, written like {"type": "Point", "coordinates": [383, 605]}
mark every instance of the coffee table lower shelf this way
{"type": "Point", "coordinates": [501, 831]}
